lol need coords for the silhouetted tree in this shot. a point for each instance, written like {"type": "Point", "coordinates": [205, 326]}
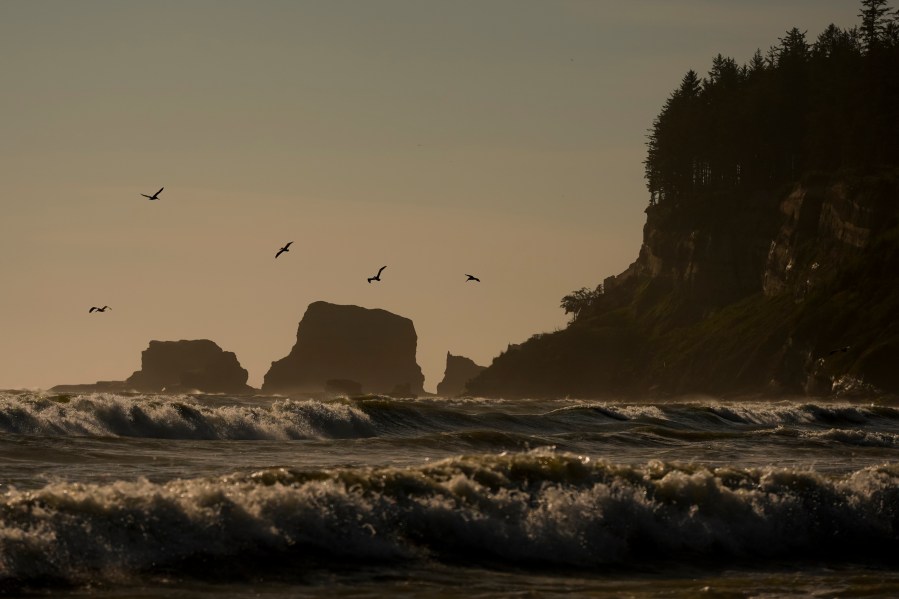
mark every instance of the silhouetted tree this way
{"type": "Point", "coordinates": [578, 302]}
{"type": "Point", "coordinates": [874, 22]}
{"type": "Point", "coordinates": [802, 107]}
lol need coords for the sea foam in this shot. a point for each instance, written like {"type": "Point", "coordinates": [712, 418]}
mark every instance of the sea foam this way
{"type": "Point", "coordinates": [539, 507]}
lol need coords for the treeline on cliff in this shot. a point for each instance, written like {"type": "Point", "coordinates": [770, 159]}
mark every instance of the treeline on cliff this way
{"type": "Point", "coordinates": [771, 240]}
{"type": "Point", "coordinates": [803, 106]}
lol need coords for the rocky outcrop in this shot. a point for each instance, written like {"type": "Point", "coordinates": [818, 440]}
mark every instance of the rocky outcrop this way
{"type": "Point", "coordinates": [177, 367]}
{"type": "Point", "coordinates": [98, 387]}
{"type": "Point", "coordinates": [370, 346]}
{"type": "Point", "coordinates": [737, 293]}
{"type": "Point", "coordinates": [459, 370]}
{"type": "Point", "coordinates": [174, 366]}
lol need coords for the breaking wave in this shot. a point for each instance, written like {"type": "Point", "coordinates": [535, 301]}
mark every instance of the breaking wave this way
{"type": "Point", "coordinates": [189, 417]}
{"type": "Point", "coordinates": [539, 507]}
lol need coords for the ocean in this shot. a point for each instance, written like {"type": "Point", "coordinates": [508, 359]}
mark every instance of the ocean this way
{"type": "Point", "coordinates": [107, 495]}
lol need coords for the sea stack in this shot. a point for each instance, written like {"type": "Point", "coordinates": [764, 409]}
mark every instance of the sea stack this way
{"type": "Point", "coordinates": [199, 364]}
{"type": "Point", "coordinates": [372, 347]}
{"type": "Point", "coordinates": [459, 370]}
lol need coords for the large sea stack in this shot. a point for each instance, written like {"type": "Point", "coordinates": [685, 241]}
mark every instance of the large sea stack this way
{"type": "Point", "coordinates": [372, 347]}
{"type": "Point", "coordinates": [198, 364]}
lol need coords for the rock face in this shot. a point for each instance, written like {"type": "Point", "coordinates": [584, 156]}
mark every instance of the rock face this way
{"type": "Point", "coordinates": [370, 346]}
{"type": "Point", "coordinates": [200, 364]}
{"type": "Point", "coordinates": [736, 293]}
{"type": "Point", "coordinates": [459, 370]}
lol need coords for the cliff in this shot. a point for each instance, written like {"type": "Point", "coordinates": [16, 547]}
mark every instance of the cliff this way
{"type": "Point", "coordinates": [459, 370]}
{"type": "Point", "coordinates": [737, 292]}
{"type": "Point", "coordinates": [372, 347]}
{"type": "Point", "coordinates": [176, 367]}
{"type": "Point", "coordinates": [199, 364]}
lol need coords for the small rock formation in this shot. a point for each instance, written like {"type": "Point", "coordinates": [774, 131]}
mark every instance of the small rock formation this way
{"type": "Point", "coordinates": [459, 370]}
{"type": "Point", "coordinates": [177, 367]}
{"type": "Point", "coordinates": [199, 364]}
{"type": "Point", "coordinates": [98, 387]}
{"type": "Point", "coordinates": [370, 346]}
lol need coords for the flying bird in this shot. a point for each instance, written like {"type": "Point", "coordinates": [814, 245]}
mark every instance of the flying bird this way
{"type": "Point", "coordinates": [96, 309]}
{"type": "Point", "coordinates": [377, 277]}
{"type": "Point", "coordinates": [155, 196]}
{"type": "Point", "coordinates": [284, 249]}
{"type": "Point", "coordinates": [472, 278]}
{"type": "Point", "coordinates": [838, 350]}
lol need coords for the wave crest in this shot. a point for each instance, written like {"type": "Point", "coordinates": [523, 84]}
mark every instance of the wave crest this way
{"type": "Point", "coordinates": [539, 507]}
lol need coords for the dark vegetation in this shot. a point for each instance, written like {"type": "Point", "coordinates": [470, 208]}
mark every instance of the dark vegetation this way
{"type": "Point", "coordinates": [801, 107]}
{"type": "Point", "coordinates": [818, 120]}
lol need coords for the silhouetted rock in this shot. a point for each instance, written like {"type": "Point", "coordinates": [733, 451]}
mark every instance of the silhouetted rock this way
{"type": "Point", "coordinates": [374, 347]}
{"type": "Point", "coordinates": [98, 387]}
{"type": "Point", "coordinates": [459, 370]}
{"type": "Point", "coordinates": [200, 364]}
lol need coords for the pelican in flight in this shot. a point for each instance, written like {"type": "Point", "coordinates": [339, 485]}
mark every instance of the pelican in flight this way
{"type": "Point", "coordinates": [472, 278]}
{"type": "Point", "coordinates": [284, 249]}
{"type": "Point", "coordinates": [155, 196]}
{"type": "Point", "coordinates": [377, 277]}
{"type": "Point", "coordinates": [96, 309]}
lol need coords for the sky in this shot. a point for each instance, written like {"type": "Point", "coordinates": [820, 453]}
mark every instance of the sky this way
{"type": "Point", "coordinates": [501, 138]}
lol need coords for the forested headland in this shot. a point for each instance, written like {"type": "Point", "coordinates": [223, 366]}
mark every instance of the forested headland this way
{"type": "Point", "coordinates": [771, 244]}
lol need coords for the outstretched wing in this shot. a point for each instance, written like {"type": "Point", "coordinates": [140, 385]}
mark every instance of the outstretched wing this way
{"type": "Point", "coordinates": [159, 192]}
{"type": "Point", "coordinates": [281, 251]}
{"type": "Point", "coordinates": [145, 195]}
{"type": "Point", "coordinates": [92, 309]}
{"type": "Point", "coordinates": [288, 245]}
{"type": "Point", "coordinates": [380, 269]}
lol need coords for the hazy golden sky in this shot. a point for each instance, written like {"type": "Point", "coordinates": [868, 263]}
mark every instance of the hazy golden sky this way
{"type": "Point", "coordinates": [498, 138]}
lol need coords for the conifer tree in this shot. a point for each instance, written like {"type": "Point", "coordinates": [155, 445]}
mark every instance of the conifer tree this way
{"type": "Point", "coordinates": [874, 22]}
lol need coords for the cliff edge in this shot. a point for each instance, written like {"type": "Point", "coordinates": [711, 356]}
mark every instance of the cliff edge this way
{"type": "Point", "coordinates": [789, 292]}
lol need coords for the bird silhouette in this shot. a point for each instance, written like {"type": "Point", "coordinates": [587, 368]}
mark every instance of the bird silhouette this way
{"type": "Point", "coordinates": [843, 349]}
{"type": "Point", "coordinates": [377, 277]}
{"type": "Point", "coordinates": [284, 249]}
{"type": "Point", "coordinates": [96, 309]}
{"type": "Point", "coordinates": [472, 278]}
{"type": "Point", "coordinates": [155, 196]}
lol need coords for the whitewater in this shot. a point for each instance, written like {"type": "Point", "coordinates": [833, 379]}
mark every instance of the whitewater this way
{"type": "Point", "coordinates": [109, 495]}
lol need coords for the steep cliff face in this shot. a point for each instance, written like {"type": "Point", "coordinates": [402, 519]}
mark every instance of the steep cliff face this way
{"type": "Point", "coordinates": [199, 364]}
{"type": "Point", "coordinates": [371, 347]}
{"type": "Point", "coordinates": [459, 370]}
{"type": "Point", "coordinates": [737, 293]}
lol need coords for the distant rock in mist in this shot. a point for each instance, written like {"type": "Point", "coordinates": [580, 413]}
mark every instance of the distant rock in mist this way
{"type": "Point", "coordinates": [459, 370]}
{"type": "Point", "coordinates": [98, 387]}
{"type": "Point", "coordinates": [372, 347]}
{"type": "Point", "coordinates": [177, 367]}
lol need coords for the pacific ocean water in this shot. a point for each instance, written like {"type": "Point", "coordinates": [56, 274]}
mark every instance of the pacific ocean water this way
{"type": "Point", "coordinates": [106, 495]}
